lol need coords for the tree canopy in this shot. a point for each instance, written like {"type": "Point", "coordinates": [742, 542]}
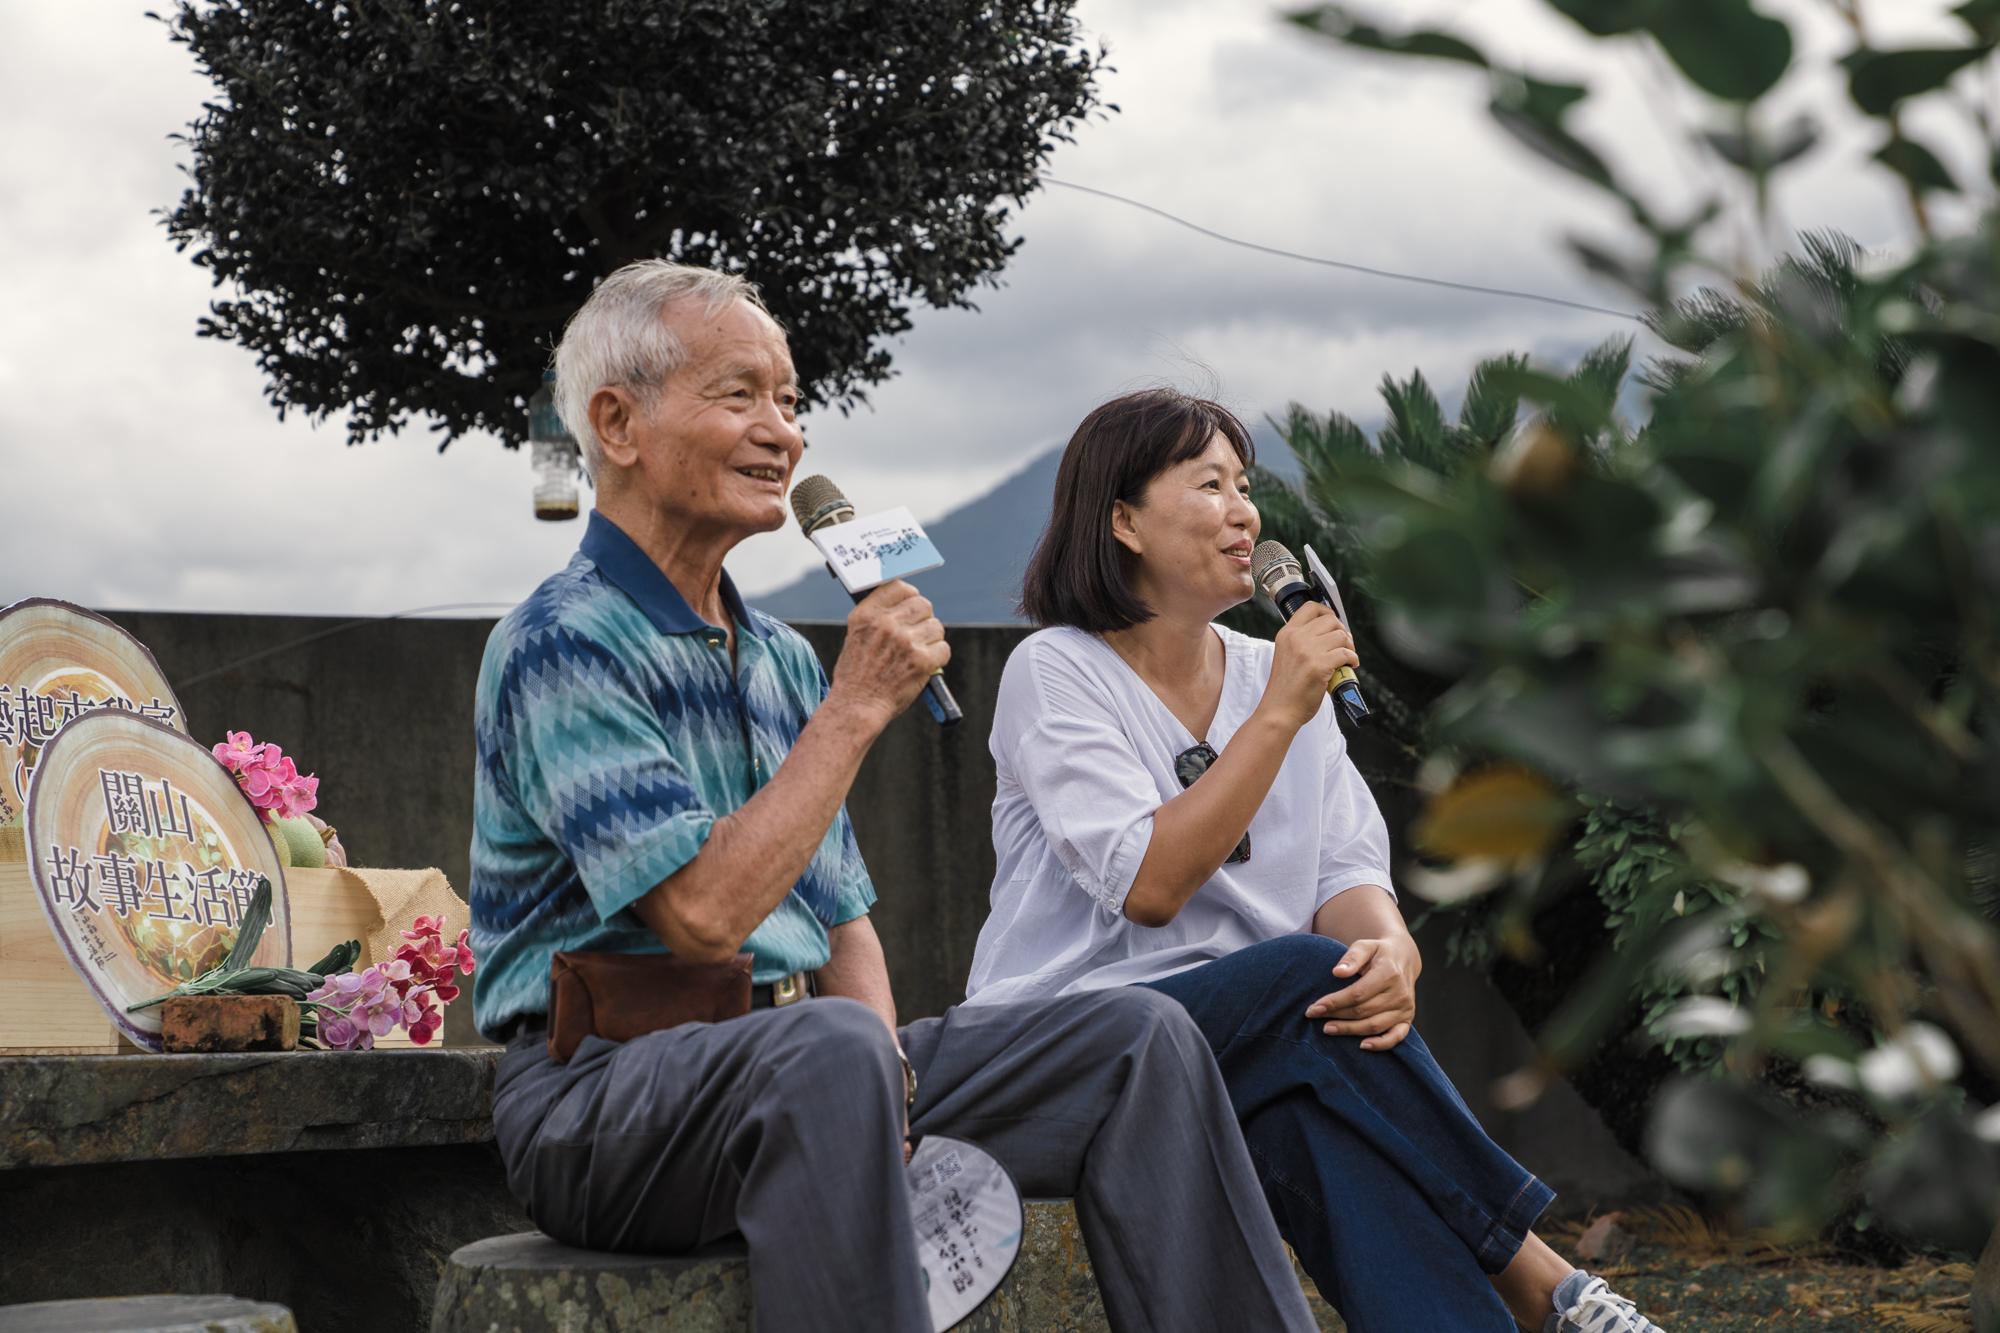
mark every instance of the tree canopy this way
{"type": "Point", "coordinates": [409, 198]}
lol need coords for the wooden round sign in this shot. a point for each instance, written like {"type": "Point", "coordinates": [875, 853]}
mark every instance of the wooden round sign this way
{"type": "Point", "coordinates": [145, 854]}
{"type": "Point", "coordinates": [57, 663]}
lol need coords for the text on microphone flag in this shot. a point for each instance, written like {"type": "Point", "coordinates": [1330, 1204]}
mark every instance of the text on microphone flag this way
{"type": "Point", "coordinates": [865, 552]}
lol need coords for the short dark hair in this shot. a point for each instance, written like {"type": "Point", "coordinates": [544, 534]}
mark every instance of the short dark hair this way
{"type": "Point", "coordinates": [1077, 575]}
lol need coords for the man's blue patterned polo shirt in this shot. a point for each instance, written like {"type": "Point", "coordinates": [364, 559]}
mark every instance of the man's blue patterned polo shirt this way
{"type": "Point", "coordinates": [612, 735]}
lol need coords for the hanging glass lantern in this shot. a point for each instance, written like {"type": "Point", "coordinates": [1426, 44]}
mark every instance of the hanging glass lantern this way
{"type": "Point", "coordinates": [553, 454]}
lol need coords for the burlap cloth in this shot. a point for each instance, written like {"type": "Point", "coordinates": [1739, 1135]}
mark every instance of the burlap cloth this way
{"type": "Point", "coordinates": [402, 896]}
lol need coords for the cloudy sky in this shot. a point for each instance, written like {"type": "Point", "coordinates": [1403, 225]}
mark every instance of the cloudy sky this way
{"type": "Point", "coordinates": [144, 470]}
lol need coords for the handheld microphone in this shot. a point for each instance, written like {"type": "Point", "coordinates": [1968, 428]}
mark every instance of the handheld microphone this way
{"type": "Point", "coordinates": [1286, 583]}
{"type": "Point", "coordinates": [818, 503]}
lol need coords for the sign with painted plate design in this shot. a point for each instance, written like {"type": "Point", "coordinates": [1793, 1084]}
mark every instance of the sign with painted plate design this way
{"type": "Point", "coordinates": [57, 663]}
{"type": "Point", "coordinates": [145, 854]}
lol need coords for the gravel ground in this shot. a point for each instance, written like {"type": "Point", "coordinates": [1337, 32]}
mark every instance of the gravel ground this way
{"type": "Point", "coordinates": [1688, 1277]}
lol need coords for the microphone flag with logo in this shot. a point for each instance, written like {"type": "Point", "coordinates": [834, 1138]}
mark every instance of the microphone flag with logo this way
{"type": "Point", "coordinates": [870, 553]}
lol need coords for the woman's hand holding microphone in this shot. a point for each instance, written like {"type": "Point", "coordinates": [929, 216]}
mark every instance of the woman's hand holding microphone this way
{"type": "Point", "coordinates": [1312, 646]}
{"type": "Point", "coordinates": [1378, 1001]}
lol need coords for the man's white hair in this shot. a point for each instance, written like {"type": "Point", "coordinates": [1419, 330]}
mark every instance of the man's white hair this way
{"type": "Point", "coordinates": [618, 337]}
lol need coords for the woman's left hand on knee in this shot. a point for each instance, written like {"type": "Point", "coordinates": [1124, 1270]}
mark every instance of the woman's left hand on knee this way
{"type": "Point", "coordinates": [1379, 1004]}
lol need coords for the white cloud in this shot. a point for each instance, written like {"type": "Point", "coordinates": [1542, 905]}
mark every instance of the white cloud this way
{"type": "Point", "coordinates": [145, 470]}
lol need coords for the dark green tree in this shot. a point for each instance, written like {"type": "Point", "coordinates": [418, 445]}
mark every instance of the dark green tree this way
{"type": "Point", "coordinates": [409, 197]}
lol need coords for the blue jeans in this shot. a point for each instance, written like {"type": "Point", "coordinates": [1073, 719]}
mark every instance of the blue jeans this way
{"type": "Point", "coordinates": [1397, 1203]}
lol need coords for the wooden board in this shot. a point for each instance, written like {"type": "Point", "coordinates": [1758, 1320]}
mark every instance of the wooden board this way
{"type": "Point", "coordinates": [45, 1009]}
{"type": "Point", "coordinates": [330, 907]}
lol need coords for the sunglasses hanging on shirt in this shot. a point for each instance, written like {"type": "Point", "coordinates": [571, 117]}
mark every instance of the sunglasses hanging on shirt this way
{"type": "Point", "coordinates": [1190, 764]}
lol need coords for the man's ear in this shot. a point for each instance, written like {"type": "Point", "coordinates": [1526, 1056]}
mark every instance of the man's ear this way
{"type": "Point", "coordinates": [1123, 529]}
{"type": "Point", "coordinates": [614, 413]}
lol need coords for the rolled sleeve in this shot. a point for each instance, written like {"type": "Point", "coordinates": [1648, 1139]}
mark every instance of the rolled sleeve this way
{"type": "Point", "coordinates": [592, 766]}
{"type": "Point", "coordinates": [1086, 783]}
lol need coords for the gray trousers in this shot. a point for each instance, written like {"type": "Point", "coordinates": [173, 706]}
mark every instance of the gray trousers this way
{"type": "Point", "coordinates": [787, 1125]}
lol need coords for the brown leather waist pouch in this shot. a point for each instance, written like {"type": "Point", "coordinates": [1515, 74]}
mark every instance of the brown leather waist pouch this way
{"type": "Point", "coordinates": [619, 996]}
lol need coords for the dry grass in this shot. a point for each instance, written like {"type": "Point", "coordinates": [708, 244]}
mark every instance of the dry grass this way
{"type": "Point", "coordinates": [1690, 1272]}
{"type": "Point", "coordinates": [1949, 1313]}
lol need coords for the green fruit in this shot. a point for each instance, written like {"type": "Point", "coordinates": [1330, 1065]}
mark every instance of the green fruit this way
{"type": "Point", "coordinates": [278, 841]}
{"type": "Point", "coordinates": [307, 851]}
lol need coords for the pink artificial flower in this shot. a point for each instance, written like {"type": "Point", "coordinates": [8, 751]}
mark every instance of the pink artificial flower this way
{"type": "Point", "coordinates": [406, 991]}
{"type": "Point", "coordinates": [268, 778]}
{"type": "Point", "coordinates": [356, 1008]}
{"type": "Point", "coordinates": [303, 795]}
{"type": "Point", "coordinates": [434, 961]}
{"type": "Point", "coordinates": [396, 973]}
{"type": "Point", "coordinates": [342, 988]}
{"type": "Point", "coordinates": [262, 778]}
{"type": "Point", "coordinates": [427, 1022]}
{"type": "Point", "coordinates": [238, 752]}
{"type": "Point", "coordinates": [341, 1035]}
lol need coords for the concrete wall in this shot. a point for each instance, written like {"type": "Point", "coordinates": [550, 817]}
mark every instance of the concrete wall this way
{"type": "Point", "coordinates": [382, 711]}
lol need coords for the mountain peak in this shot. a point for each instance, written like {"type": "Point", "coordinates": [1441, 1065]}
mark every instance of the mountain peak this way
{"type": "Point", "coordinates": [985, 544]}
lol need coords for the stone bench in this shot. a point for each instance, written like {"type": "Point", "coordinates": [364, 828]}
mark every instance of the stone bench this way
{"type": "Point", "coordinates": [528, 1283]}
{"type": "Point", "coordinates": [148, 1314]}
{"type": "Point", "coordinates": [123, 1175]}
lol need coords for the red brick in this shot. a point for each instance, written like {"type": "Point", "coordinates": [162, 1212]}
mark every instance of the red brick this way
{"type": "Point", "coordinates": [191, 1023]}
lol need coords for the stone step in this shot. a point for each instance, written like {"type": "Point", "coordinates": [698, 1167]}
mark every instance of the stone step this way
{"type": "Point", "coordinates": [531, 1284]}
{"type": "Point", "coordinates": [148, 1314]}
{"type": "Point", "coordinates": [528, 1283]}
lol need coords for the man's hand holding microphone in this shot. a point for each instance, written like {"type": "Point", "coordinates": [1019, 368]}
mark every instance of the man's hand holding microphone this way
{"type": "Point", "coordinates": [894, 646]}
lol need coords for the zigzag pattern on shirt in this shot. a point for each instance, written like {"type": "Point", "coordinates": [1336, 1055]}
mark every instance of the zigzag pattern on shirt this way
{"type": "Point", "coordinates": [598, 738]}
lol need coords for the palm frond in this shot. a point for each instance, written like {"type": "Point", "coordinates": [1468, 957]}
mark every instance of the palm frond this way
{"type": "Point", "coordinates": [1324, 445]}
{"type": "Point", "coordinates": [1489, 411]}
{"type": "Point", "coordinates": [1415, 430]}
{"type": "Point", "coordinates": [1279, 502]}
{"type": "Point", "coordinates": [1603, 370]}
{"type": "Point", "coordinates": [1696, 323]}
{"type": "Point", "coordinates": [1831, 259]}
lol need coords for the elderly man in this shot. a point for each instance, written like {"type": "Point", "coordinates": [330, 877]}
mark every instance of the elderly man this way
{"type": "Point", "coordinates": [662, 768]}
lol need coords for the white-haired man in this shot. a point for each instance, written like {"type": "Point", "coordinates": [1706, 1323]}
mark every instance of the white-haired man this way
{"type": "Point", "coordinates": [662, 768]}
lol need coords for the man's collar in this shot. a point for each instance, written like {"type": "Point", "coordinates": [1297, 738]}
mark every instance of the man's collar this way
{"type": "Point", "coordinates": [635, 574]}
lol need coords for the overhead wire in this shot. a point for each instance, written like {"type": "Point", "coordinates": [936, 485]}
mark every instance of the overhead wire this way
{"type": "Point", "coordinates": [338, 629]}
{"type": "Point", "coordinates": [1342, 264]}
{"type": "Point", "coordinates": [1323, 262]}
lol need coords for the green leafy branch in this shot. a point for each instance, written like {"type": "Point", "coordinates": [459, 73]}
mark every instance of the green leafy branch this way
{"type": "Point", "coordinates": [235, 975]}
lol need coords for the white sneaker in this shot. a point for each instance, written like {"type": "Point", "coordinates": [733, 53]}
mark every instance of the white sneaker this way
{"type": "Point", "coordinates": [1599, 1309]}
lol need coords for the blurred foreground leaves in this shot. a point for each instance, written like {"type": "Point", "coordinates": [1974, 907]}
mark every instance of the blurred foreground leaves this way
{"type": "Point", "coordinates": [1754, 638]}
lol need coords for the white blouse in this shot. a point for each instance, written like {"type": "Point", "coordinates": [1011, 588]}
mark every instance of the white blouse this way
{"type": "Point", "coordinates": [1085, 752]}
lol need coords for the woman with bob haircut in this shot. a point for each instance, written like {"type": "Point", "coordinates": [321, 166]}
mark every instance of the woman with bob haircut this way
{"type": "Point", "coordinates": [1176, 809]}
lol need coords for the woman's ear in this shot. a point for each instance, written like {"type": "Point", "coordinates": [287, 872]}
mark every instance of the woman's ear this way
{"type": "Point", "coordinates": [1123, 528]}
